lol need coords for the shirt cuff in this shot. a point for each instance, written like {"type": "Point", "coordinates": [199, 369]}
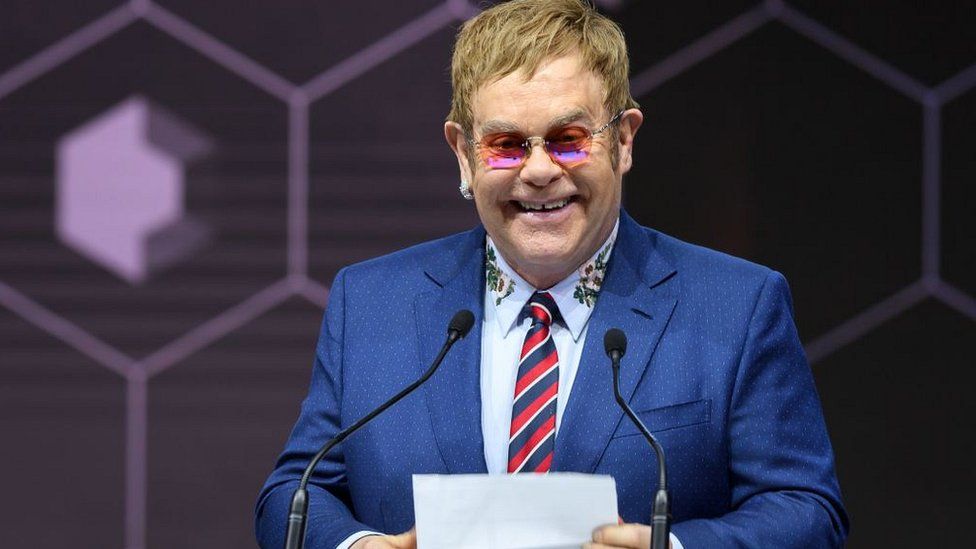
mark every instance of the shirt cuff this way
{"type": "Point", "coordinates": [347, 543]}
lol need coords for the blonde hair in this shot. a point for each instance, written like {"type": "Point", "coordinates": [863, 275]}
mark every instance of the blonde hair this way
{"type": "Point", "coordinates": [522, 34]}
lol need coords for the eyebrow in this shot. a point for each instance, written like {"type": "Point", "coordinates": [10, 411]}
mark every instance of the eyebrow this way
{"type": "Point", "coordinates": [498, 126]}
{"type": "Point", "coordinates": [572, 116]}
{"type": "Point", "coordinates": [502, 126]}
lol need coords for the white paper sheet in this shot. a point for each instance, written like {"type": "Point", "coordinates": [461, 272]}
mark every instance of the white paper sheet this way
{"type": "Point", "coordinates": [552, 511]}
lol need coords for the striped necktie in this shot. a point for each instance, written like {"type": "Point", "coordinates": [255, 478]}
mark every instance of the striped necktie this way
{"type": "Point", "coordinates": [533, 432]}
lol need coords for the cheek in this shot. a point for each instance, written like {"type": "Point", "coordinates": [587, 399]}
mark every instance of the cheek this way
{"type": "Point", "coordinates": [603, 188]}
{"type": "Point", "coordinates": [489, 185]}
{"type": "Point", "coordinates": [482, 197]}
{"type": "Point", "coordinates": [487, 200]}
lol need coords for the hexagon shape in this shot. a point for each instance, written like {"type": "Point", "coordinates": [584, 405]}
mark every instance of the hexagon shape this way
{"type": "Point", "coordinates": [959, 193]}
{"type": "Point", "coordinates": [897, 407]}
{"type": "Point", "coordinates": [234, 406]}
{"type": "Point", "coordinates": [381, 176]}
{"type": "Point", "coordinates": [656, 30]}
{"type": "Point", "coordinates": [31, 26]}
{"type": "Point", "coordinates": [777, 151]}
{"type": "Point", "coordinates": [239, 190]}
{"type": "Point", "coordinates": [271, 35]}
{"type": "Point", "coordinates": [120, 196]}
{"type": "Point", "coordinates": [63, 423]}
{"type": "Point", "coordinates": [930, 42]}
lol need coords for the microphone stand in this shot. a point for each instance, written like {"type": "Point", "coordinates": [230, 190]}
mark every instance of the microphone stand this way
{"type": "Point", "coordinates": [298, 512]}
{"type": "Point", "coordinates": [660, 516]}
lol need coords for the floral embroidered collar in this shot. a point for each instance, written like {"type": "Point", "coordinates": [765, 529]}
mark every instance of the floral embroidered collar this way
{"type": "Point", "coordinates": [501, 281]}
{"type": "Point", "coordinates": [498, 281]}
{"type": "Point", "coordinates": [592, 273]}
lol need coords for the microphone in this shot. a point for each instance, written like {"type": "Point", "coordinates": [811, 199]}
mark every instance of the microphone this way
{"type": "Point", "coordinates": [615, 344]}
{"type": "Point", "coordinates": [460, 325]}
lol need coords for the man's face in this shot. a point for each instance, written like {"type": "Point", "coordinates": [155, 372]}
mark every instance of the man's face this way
{"type": "Point", "coordinates": [581, 201]}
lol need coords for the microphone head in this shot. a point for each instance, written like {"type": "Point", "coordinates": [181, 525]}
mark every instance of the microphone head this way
{"type": "Point", "coordinates": [461, 323]}
{"type": "Point", "coordinates": [615, 340]}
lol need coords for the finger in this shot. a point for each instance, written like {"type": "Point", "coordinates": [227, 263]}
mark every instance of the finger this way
{"type": "Point", "coordinates": [386, 542]}
{"type": "Point", "coordinates": [406, 540]}
{"type": "Point", "coordinates": [377, 542]}
{"type": "Point", "coordinates": [623, 535]}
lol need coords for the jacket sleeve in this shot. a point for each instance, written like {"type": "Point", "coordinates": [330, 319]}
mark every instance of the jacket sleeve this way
{"type": "Point", "coordinates": [330, 519]}
{"type": "Point", "coordinates": [781, 465]}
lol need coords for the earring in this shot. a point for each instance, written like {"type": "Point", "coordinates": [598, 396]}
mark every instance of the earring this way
{"type": "Point", "coordinates": [466, 190]}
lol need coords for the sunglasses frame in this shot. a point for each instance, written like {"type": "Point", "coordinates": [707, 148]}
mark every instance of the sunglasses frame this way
{"type": "Point", "coordinates": [531, 141]}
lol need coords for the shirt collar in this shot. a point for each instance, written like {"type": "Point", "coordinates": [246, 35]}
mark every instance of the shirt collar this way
{"type": "Point", "coordinates": [575, 295]}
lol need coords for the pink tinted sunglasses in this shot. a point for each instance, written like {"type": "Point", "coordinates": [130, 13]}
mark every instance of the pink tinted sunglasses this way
{"type": "Point", "coordinates": [567, 146]}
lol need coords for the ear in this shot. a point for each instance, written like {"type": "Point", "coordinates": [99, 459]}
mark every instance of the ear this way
{"type": "Point", "coordinates": [458, 142]}
{"type": "Point", "coordinates": [629, 123]}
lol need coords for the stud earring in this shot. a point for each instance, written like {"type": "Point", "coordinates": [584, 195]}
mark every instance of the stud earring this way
{"type": "Point", "coordinates": [466, 190]}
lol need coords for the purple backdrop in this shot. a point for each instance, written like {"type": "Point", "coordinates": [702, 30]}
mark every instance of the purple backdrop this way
{"type": "Point", "coordinates": [180, 181]}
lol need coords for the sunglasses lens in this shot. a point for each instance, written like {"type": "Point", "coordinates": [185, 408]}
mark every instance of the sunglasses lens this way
{"type": "Point", "coordinates": [569, 146]}
{"type": "Point", "coordinates": [569, 157]}
{"type": "Point", "coordinates": [498, 161]}
{"type": "Point", "coordinates": [504, 151]}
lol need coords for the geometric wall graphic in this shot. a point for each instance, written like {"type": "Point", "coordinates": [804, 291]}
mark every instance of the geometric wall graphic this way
{"type": "Point", "coordinates": [62, 414]}
{"type": "Point", "coordinates": [238, 397]}
{"type": "Point", "coordinates": [239, 189]}
{"type": "Point", "coordinates": [913, 418]}
{"type": "Point", "coordinates": [922, 196]}
{"type": "Point", "coordinates": [932, 41]}
{"type": "Point", "coordinates": [798, 204]}
{"type": "Point", "coordinates": [120, 189]}
{"type": "Point", "coordinates": [816, 139]}
{"type": "Point", "coordinates": [666, 27]}
{"type": "Point", "coordinates": [959, 193]}
{"type": "Point", "coordinates": [23, 36]}
{"type": "Point", "coordinates": [300, 39]}
{"type": "Point", "coordinates": [405, 185]}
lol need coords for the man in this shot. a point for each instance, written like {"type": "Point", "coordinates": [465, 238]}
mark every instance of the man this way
{"type": "Point", "coordinates": [543, 126]}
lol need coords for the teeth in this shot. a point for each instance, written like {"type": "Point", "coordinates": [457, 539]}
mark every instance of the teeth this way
{"type": "Point", "coordinates": [540, 207]}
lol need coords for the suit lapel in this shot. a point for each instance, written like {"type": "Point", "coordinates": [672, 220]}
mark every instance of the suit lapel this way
{"type": "Point", "coordinates": [454, 392]}
{"type": "Point", "coordinates": [638, 297]}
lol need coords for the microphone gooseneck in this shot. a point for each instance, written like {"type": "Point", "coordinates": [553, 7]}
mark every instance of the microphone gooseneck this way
{"type": "Point", "coordinates": [615, 345]}
{"type": "Point", "coordinates": [460, 325]}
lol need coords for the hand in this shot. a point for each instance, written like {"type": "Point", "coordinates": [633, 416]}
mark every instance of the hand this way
{"type": "Point", "coordinates": [621, 536]}
{"type": "Point", "coordinates": [406, 540]}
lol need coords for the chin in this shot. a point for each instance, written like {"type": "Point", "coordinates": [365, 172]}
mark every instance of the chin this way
{"type": "Point", "coordinates": [550, 254]}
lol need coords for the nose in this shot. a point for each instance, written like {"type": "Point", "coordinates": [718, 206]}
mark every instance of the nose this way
{"type": "Point", "coordinates": [539, 169]}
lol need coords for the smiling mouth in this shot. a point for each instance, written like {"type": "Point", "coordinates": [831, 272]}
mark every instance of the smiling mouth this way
{"type": "Point", "coordinates": [544, 207]}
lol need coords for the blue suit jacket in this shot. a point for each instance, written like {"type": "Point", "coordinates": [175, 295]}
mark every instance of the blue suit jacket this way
{"type": "Point", "coordinates": [714, 367]}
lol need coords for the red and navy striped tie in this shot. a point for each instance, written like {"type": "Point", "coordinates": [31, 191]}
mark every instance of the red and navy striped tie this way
{"type": "Point", "coordinates": [533, 433]}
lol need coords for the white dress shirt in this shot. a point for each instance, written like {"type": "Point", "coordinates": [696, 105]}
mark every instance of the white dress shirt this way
{"type": "Point", "coordinates": [501, 342]}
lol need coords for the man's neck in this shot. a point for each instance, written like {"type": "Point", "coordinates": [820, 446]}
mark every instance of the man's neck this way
{"type": "Point", "coordinates": [576, 294]}
{"type": "Point", "coordinates": [543, 277]}
{"type": "Point", "coordinates": [543, 280]}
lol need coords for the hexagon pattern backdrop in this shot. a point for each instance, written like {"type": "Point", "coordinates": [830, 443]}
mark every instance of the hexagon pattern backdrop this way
{"type": "Point", "coordinates": [179, 182]}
